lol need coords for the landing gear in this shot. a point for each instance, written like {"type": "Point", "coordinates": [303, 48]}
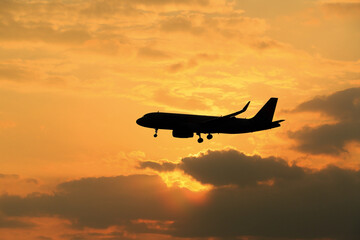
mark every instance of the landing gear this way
{"type": "Point", "coordinates": [155, 135]}
{"type": "Point", "coordinates": [209, 136]}
{"type": "Point", "coordinates": [200, 140]}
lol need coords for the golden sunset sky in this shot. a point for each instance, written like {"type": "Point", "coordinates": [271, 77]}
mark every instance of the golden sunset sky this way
{"type": "Point", "coordinates": [75, 76]}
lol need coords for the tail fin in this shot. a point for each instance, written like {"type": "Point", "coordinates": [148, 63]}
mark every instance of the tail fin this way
{"type": "Point", "coordinates": [266, 113]}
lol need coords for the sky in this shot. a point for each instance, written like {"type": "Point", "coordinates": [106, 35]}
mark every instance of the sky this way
{"type": "Point", "coordinates": [75, 76]}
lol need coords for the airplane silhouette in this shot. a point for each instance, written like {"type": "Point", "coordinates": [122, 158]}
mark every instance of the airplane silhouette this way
{"type": "Point", "coordinates": [185, 125]}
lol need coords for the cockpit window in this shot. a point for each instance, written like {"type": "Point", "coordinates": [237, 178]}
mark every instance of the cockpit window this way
{"type": "Point", "coordinates": [148, 115]}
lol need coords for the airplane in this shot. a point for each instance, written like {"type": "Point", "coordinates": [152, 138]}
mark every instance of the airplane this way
{"type": "Point", "coordinates": [185, 125]}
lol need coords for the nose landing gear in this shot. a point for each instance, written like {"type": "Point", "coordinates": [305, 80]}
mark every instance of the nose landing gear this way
{"type": "Point", "coordinates": [155, 135]}
{"type": "Point", "coordinates": [209, 136]}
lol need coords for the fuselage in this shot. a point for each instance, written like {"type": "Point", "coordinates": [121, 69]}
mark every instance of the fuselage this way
{"type": "Point", "coordinates": [202, 123]}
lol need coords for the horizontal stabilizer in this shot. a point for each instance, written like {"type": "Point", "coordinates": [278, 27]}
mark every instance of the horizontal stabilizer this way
{"type": "Point", "coordinates": [279, 121]}
{"type": "Point", "coordinates": [276, 123]}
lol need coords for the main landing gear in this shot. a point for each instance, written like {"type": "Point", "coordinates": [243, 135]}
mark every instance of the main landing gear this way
{"type": "Point", "coordinates": [200, 140]}
{"type": "Point", "coordinates": [155, 135]}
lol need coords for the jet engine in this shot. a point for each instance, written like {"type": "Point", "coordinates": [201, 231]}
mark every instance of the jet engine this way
{"type": "Point", "coordinates": [182, 133]}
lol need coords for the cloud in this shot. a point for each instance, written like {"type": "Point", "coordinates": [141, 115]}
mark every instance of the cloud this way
{"type": "Point", "coordinates": [97, 235]}
{"type": "Point", "coordinates": [160, 167]}
{"type": "Point", "coordinates": [6, 222]}
{"type": "Point", "coordinates": [21, 31]}
{"type": "Point", "coordinates": [221, 168]}
{"type": "Point", "coordinates": [179, 100]}
{"type": "Point", "coordinates": [230, 167]}
{"type": "Point", "coordinates": [344, 107]}
{"type": "Point", "coordinates": [135, 8]}
{"type": "Point", "coordinates": [151, 53]}
{"type": "Point", "coordinates": [300, 204]}
{"type": "Point", "coordinates": [216, 25]}
{"type": "Point", "coordinates": [9, 176]}
{"type": "Point", "coordinates": [341, 8]}
{"type": "Point", "coordinates": [177, 67]}
{"type": "Point", "coordinates": [318, 205]}
{"type": "Point", "coordinates": [16, 184]}
{"type": "Point", "coordinates": [110, 8]}
{"type": "Point", "coordinates": [193, 62]}
{"type": "Point", "coordinates": [176, 2]}
{"type": "Point", "coordinates": [326, 139]}
{"type": "Point", "coordinates": [180, 24]}
{"type": "Point", "coordinates": [265, 44]}
{"type": "Point", "coordinates": [44, 238]}
{"type": "Point", "coordinates": [15, 72]}
{"type": "Point", "coordinates": [96, 202]}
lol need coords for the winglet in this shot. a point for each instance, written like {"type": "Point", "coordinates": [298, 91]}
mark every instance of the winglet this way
{"type": "Point", "coordinates": [238, 112]}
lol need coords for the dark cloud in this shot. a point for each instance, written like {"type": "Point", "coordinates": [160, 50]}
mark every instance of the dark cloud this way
{"type": "Point", "coordinates": [232, 167]}
{"type": "Point", "coordinates": [6, 222]}
{"type": "Point", "coordinates": [319, 205]}
{"type": "Point", "coordinates": [96, 202]}
{"type": "Point", "coordinates": [95, 235]}
{"type": "Point", "coordinates": [44, 238]}
{"type": "Point", "coordinates": [160, 167]}
{"type": "Point", "coordinates": [326, 139]}
{"type": "Point", "coordinates": [300, 204]}
{"type": "Point", "coordinates": [221, 168]}
{"type": "Point", "coordinates": [344, 107]}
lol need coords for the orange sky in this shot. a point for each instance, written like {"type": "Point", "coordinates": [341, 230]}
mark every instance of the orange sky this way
{"type": "Point", "coordinates": [75, 76]}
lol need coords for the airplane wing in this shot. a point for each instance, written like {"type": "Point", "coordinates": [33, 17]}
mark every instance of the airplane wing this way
{"type": "Point", "coordinates": [236, 113]}
{"type": "Point", "coordinates": [220, 119]}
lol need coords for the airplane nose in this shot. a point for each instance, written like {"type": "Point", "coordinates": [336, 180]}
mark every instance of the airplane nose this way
{"type": "Point", "coordinates": [139, 121]}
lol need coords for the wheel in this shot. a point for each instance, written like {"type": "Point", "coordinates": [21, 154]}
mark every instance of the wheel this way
{"type": "Point", "coordinates": [209, 136]}
{"type": "Point", "coordinates": [156, 130]}
{"type": "Point", "coordinates": [200, 140]}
